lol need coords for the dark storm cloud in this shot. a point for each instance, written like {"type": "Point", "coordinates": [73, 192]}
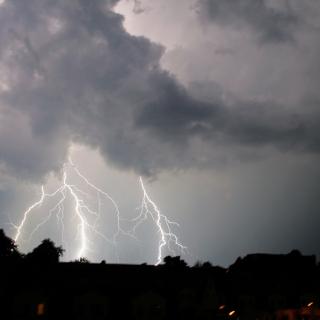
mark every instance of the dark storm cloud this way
{"type": "Point", "coordinates": [137, 7]}
{"type": "Point", "coordinates": [178, 118]}
{"type": "Point", "coordinates": [270, 24]}
{"type": "Point", "coordinates": [70, 72]}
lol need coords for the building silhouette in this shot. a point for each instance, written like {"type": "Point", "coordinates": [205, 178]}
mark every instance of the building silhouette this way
{"type": "Point", "coordinates": [258, 286]}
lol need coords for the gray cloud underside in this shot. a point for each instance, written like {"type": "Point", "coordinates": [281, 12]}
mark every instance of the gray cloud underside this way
{"type": "Point", "coordinates": [70, 72]}
{"type": "Point", "coordinates": [137, 7]}
{"type": "Point", "coordinates": [269, 23]}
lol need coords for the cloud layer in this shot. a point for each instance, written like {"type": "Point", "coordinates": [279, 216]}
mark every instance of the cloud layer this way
{"type": "Point", "coordinates": [70, 72]}
{"type": "Point", "coordinates": [271, 22]}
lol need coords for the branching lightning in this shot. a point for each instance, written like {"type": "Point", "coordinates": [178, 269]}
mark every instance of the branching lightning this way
{"type": "Point", "coordinates": [27, 212]}
{"type": "Point", "coordinates": [84, 214]}
{"type": "Point", "coordinates": [167, 237]}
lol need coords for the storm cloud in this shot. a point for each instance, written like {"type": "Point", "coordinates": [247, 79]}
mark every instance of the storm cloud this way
{"type": "Point", "coordinates": [71, 73]}
{"type": "Point", "coordinates": [216, 101]}
{"type": "Point", "coordinates": [269, 21]}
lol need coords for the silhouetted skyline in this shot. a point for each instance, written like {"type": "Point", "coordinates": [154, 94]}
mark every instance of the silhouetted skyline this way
{"type": "Point", "coordinates": [264, 286]}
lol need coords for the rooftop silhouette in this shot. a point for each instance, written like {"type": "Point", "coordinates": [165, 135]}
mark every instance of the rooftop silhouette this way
{"type": "Point", "coordinates": [267, 286]}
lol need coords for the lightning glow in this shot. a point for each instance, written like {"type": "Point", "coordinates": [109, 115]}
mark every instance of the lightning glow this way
{"type": "Point", "coordinates": [167, 237]}
{"type": "Point", "coordinates": [84, 214]}
{"type": "Point", "coordinates": [27, 212]}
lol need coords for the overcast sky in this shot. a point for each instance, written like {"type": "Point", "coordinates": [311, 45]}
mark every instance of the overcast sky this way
{"type": "Point", "coordinates": [214, 103]}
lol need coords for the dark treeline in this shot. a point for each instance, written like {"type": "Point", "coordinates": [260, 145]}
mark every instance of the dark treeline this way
{"type": "Point", "coordinates": [257, 286]}
{"type": "Point", "coordinates": [46, 252]}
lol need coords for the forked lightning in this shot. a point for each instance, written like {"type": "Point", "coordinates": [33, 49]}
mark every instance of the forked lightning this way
{"type": "Point", "coordinates": [148, 209]}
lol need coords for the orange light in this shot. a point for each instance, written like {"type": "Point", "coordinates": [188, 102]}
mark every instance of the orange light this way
{"type": "Point", "coordinates": [222, 307]}
{"type": "Point", "coordinates": [231, 313]}
{"type": "Point", "coordinates": [40, 309]}
{"type": "Point", "coordinates": [310, 304]}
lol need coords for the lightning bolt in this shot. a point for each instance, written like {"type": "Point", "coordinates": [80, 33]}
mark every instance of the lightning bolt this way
{"type": "Point", "coordinates": [83, 213]}
{"type": "Point", "coordinates": [26, 214]}
{"type": "Point", "coordinates": [167, 237]}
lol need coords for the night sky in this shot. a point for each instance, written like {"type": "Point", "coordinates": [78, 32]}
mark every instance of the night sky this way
{"type": "Point", "coordinates": [215, 103]}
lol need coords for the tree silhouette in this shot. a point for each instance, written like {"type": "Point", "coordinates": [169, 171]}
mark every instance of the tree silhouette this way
{"type": "Point", "coordinates": [46, 253]}
{"type": "Point", "coordinates": [8, 248]}
{"type": "Point", "coordinates": [204, 265]}
{"type": "Point", "coordinates": [82, 260]}
{"type": "Point", "coordinates": [174, 262]}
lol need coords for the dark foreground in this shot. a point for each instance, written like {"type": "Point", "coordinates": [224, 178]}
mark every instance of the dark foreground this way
{"type": "Point", "coordinates": [275, 287]}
